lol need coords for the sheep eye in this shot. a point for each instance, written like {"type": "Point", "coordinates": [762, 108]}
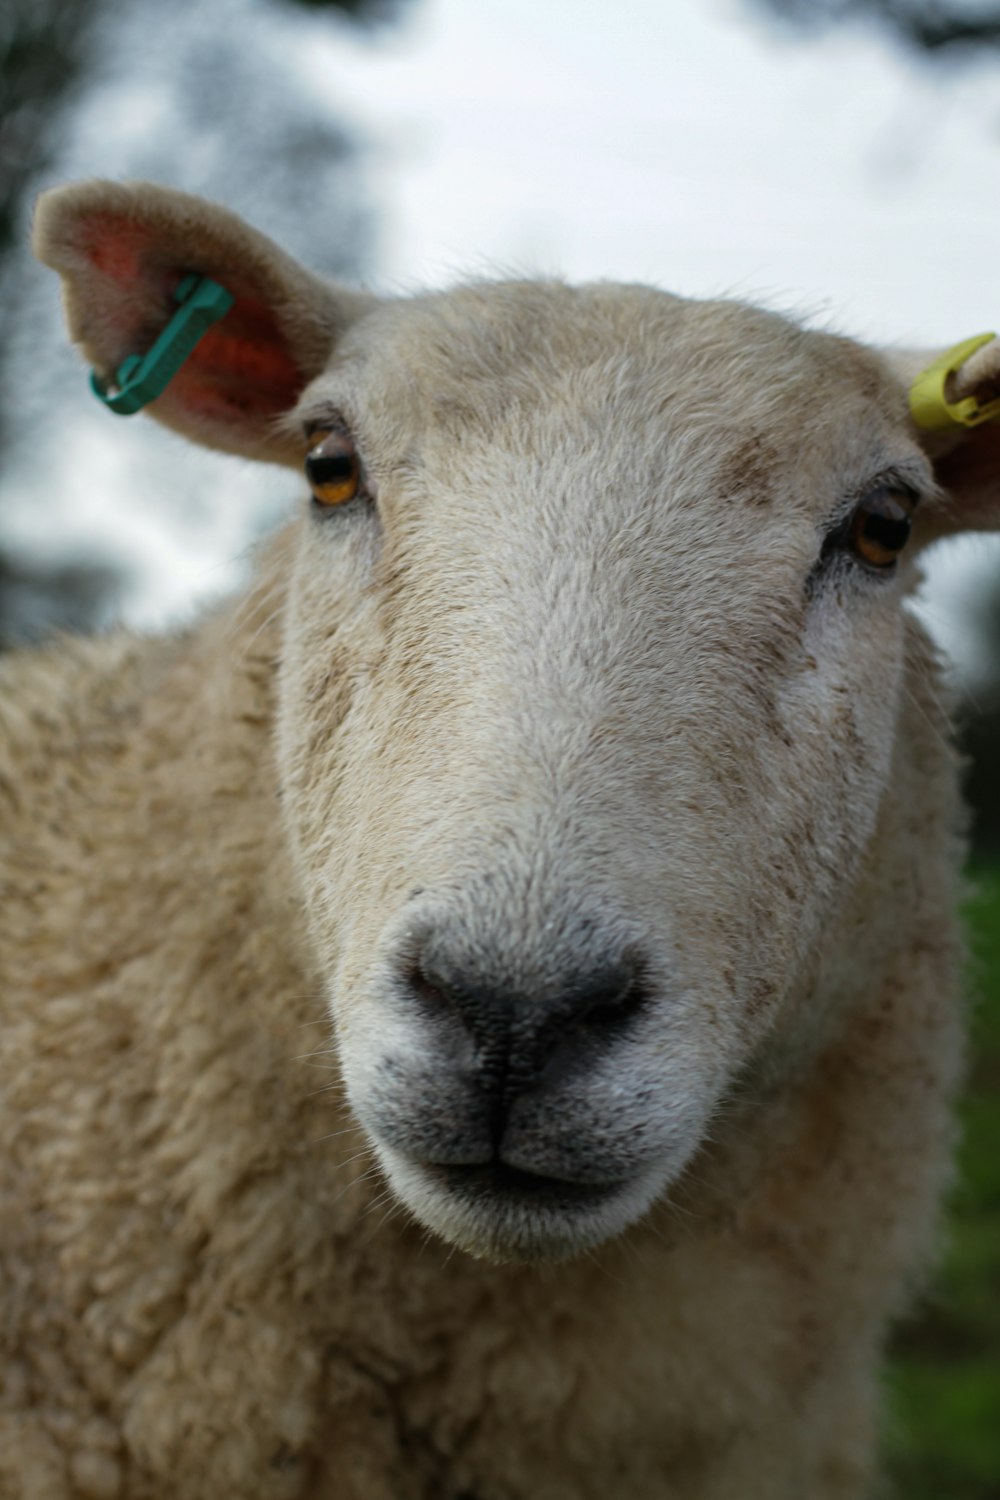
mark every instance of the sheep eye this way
{"type": "Point", "coordinates": [332, 469]}
{"type": "Point", "coordinates": [880, 526]}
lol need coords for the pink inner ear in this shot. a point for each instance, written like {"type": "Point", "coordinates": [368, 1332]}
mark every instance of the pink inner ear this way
{"type": "Point", "coordinates": [243, 362]}
{"type": "Point", "coordinates": [114, 246]}
{"type": "Point", "coordinates": [243, 365]}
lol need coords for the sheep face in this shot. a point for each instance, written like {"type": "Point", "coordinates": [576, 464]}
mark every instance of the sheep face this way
{"type": "Point", "coordinates": [588, 708]}
{"type": "Point", "coordinates": [594, 666]}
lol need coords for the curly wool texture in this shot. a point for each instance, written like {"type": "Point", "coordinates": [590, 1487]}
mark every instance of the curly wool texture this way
{"type": "Point", "coordinates": [207, 1287]}
{"type": "Point", "coordinates": [204, 1294]}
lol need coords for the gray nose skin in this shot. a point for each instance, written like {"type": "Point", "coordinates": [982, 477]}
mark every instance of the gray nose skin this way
{"type": "Point", "coordinates": [527, 1039]}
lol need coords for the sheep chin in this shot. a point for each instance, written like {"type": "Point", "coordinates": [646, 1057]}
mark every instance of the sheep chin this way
{"type": "Point", "coordinates": [505, 1231]}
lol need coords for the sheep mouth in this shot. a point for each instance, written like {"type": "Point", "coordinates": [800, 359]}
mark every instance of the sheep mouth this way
{"type": "Point", "coordinates": [496, 1180]}
{"type": "Point", "coordinates": [502, 1213]}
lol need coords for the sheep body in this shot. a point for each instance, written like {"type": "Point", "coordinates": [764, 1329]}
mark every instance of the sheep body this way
{"type": "Point", "coordinates": [207, 1297]}
{"type": "Point", "coordinates": [208, 1291]}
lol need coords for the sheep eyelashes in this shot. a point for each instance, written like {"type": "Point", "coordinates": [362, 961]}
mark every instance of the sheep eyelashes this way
{"type": "Point", "coordinates": [332, 468]}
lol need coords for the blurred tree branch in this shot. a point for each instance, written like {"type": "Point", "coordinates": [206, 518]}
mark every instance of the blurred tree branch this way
{"type": "Point", "coordinates": [44, 53]}
{"type": "Point", "coordinates": [36, 599]}
{"type": "Point", "coordinates": [934, 26]}
{"type": "Point", "coordinates": [368, 12]}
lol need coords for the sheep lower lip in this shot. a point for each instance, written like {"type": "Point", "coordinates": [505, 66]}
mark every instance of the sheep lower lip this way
{"type": "Point", "coordinates": [496, 1179]}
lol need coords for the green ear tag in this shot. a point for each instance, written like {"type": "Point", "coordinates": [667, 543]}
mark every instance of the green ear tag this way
{"type": "Point", "coordinates": [142, 377]}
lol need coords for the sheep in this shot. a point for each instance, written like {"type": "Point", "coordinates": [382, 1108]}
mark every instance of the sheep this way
{"type": "Point", "coordinates": [575, 789]}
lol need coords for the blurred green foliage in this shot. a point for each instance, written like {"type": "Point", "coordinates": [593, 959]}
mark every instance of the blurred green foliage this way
{"type": "Point", "coordinates": [944, 1432]}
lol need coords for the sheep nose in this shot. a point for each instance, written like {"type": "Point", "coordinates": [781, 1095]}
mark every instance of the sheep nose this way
{"type": "Point", "coordinates": [521, 1034]}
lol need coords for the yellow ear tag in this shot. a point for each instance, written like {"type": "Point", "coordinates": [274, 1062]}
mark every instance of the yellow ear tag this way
{"type": "Point", "coordinates": [930, 407]}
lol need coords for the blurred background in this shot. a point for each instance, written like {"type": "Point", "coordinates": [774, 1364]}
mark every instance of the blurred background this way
{"type": "Point", "coordinates": [836, 159]}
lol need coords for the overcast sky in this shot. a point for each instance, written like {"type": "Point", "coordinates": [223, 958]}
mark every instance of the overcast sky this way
{"type": "Point", "coordinates": [684, 142]}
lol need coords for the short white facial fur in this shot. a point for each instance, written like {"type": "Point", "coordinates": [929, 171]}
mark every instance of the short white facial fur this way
{"type": "Point", "coordinates": [575, 690]}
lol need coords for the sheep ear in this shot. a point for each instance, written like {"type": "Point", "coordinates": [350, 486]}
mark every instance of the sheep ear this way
{"type": "Point", "coordinates": [955, 407]}
{"type": "Point", "coordinates": [123, 250]}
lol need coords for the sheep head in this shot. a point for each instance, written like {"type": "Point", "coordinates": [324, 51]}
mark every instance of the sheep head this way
{"type": "Point", "coordinates": [595, 674]}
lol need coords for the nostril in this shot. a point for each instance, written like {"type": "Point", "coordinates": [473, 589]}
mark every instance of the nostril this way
{"type": "Point", "coordinates": [428, 986]}
{"type": "Point", "coordinates": [614, 999]}
{"type": "Point", "coordinates": [596, 1011]}
{"type": "Point", "coordinates": [592, 1004]}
